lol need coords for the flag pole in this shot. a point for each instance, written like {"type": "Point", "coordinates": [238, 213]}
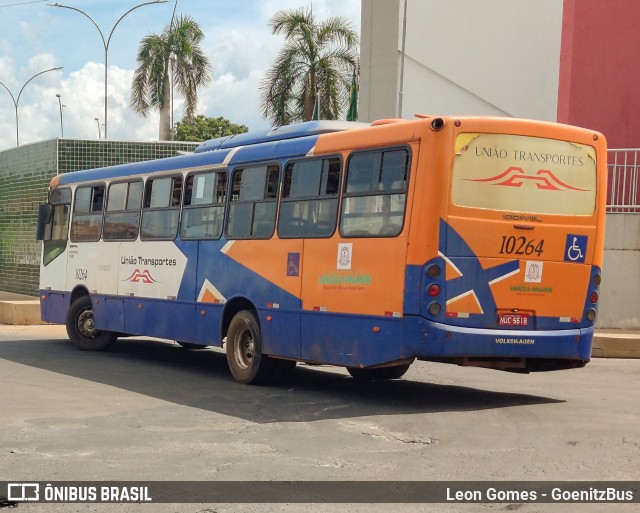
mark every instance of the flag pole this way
{"type": "Point", "coordinates": [404, 39]}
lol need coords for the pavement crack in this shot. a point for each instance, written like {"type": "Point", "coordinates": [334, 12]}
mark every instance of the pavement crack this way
{"type": "Point", "coordinates": [419, 441]}
{"type": "Point", "coordinates": [404, 439]}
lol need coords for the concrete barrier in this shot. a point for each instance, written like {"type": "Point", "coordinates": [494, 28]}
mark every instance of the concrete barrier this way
{"type": "Point", "coordinates": [22, 312]}
{"type": "Point", "coordinates": [616, 344]}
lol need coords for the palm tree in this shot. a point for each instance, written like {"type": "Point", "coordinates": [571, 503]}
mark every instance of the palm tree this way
{"type": "Point", "coordinates": [179, 47]}
{"type": "Point", "coordinates": [315, 65]}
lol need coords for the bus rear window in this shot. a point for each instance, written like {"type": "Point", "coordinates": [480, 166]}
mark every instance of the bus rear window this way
{"type": "Point", "coordinates": [524, 174]}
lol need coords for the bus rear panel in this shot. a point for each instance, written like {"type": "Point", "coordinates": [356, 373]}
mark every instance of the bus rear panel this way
{"type": "Point", "coordinates": [515, 283]}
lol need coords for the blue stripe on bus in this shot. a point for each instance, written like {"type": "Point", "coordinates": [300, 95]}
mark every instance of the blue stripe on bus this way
{"type": "Point", "coordinates": [328, 337]}
{"type": "Point", "coordinates": [228, 276]}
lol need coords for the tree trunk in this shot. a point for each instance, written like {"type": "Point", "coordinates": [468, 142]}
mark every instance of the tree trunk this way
{"type": "Point", "coordinates": [310, 99]}
{"type": "Point", "coordinates": [165, 113]}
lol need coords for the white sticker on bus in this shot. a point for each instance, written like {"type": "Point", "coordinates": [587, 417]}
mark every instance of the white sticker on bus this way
{"type": "Point", "coordinates": [533, 272]}
{"type": "Point", "coordinates": [344, 255]}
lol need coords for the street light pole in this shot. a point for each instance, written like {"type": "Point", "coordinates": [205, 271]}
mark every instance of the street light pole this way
{"type": "Point", "coordinates": [61, 126]}
{"type": "Point", "coordinates": [17, 101]}
{"type": "Point", "coordinates": [98, 123]}
{"type": "Point", "coordinates": [106, 42]}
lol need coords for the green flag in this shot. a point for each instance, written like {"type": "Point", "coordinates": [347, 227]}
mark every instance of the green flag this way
{"type": "Point", "coordinates": [352, 114]}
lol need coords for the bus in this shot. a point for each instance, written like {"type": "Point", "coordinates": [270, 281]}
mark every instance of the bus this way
{"type": "Point", "coordinates": [474, 241]}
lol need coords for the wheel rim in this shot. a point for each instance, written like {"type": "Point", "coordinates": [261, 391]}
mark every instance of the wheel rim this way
{"type": "Point", "coordinates": [86, 324]}
{"type": "Point", "coordinates": [244, 349]}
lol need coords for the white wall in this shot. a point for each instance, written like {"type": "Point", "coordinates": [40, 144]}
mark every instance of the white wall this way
{"type": "Point", "coordinates": [463, 57]}
{"type": "Point", "coordinates": [620, 289]}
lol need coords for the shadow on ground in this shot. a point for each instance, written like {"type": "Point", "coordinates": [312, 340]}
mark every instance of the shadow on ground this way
{"type": "Point", "coordinates": [200, 379]}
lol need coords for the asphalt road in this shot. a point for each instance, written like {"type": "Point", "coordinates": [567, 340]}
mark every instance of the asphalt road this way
{"type": "Point", "coordinates": [150, 410]}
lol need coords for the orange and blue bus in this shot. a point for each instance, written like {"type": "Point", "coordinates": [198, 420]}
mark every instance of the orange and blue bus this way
{"type": "Point", "coordinates": [468, 240]}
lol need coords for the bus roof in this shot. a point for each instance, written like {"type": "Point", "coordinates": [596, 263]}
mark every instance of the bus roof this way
{"type": "Point", "coordinates": [277, 134]}
{"type": "Point", "coordinates": [290, 139]}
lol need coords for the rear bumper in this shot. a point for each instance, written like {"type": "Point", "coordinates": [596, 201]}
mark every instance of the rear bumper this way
{"type": "Point", "coordinates": [435, 341]}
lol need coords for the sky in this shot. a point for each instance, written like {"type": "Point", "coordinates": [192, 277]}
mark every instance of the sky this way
{"type": "Point", "coordinates": [35, 37]}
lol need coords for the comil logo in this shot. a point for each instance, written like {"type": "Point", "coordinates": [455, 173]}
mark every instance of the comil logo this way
{"type": "Point", "coordinates": [23, 492]}
{"type": "Point", "coordinates": [544, 179]}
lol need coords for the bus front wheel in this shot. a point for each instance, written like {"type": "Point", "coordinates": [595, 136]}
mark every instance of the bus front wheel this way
{"type": "Point", "coordinates": [81, 327]}
{"type": "Point", "coordinates": [244, 351]}
{"type": "Point", "coordinates": [380, 373]}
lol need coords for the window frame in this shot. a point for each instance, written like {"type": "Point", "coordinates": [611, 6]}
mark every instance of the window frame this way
{"type": "Point", "coordinates": [305, 199]}
{"type": "Point", "coordinates": [185, 208]}
{"type": "Point", "coordinates": [344, 195]}
{"type": "Point", "coordinates": [229, 200]}
{"type": "Point", "coordinates": [68, 202]}
{"type": "Point", "coordinates": [90, 212]}
{"type": "Point", "coordinates": [126, 210]}
{"type": "Point", "coordinates": [178, 208]}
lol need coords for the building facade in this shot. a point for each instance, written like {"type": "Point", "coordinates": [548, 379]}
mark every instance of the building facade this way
{"type": "Point", "coordinates": [571, 61]}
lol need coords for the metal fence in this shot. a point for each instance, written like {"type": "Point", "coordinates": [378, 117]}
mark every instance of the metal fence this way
{"type": "Point", "coordinates": [623, 190]}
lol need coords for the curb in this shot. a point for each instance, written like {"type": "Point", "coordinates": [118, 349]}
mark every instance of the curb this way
{"type": "Point", "coordinates": [20, 312]}
{"type": "Point", "coordinates": [616, 345]}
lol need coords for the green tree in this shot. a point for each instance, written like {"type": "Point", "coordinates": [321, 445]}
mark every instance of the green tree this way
{"type": "Point", "coordinates": [314, 67]}
{"type": "Point", "coordinates": [178, 49]}
{"type": "Point", "coordinates": [202, 128]}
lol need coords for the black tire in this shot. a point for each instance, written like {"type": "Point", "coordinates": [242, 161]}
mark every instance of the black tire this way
{"type": "Point", "coordinates": [81, 328]}
{"type": "Point", "coordinates": [189, 345]}
{"type": "Point", "coordinates": [381, 373]}
{"type": "Point", "coordinates": [244, 351]}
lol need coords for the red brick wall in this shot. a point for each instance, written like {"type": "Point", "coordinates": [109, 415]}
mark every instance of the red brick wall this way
{"type": "Point", "coordinates": [599, 83]}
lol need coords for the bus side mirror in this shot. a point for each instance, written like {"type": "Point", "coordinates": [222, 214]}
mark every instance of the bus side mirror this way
{"type": "Point", "coordinates": [45, 214]}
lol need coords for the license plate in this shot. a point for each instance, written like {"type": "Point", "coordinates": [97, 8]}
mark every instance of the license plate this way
{"type": "Point", "coordinates": [516, 320]}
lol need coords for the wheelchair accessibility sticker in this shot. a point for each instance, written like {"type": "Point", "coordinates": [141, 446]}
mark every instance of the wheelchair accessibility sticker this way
{"type": "Point", "coordinates": [575, 248]}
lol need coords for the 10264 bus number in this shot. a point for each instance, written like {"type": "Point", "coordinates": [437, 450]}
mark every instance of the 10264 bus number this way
{"type": "Point", "coordinates": [521, 246]}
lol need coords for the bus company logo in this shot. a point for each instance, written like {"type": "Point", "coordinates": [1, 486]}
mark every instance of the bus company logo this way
{"type": "Point", "coordinates": [138, 276]}
{"type": "Point", "coordinates": [544, 179]}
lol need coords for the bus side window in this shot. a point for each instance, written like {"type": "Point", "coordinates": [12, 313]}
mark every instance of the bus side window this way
{"type": "Point", "coordinates": [56, 231]}
{"type": "Point", "coordinates": [252, 209]}
{"type": "Point", "coordinates": [86, 223]}
{"type": "Point", "coordinates": [203, 209]}
{"type": "Point", "coordinates": [161, 209]}
{"type": "Point", "coordinates": [122, 216]}
{"type": "Point", "coordinates": [375, 194]}
{"type": "Point", "coordinates": [309, 205]}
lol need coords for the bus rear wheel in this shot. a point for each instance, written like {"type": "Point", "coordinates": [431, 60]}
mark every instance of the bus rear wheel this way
{"type": "Point", "coordinates": [381, 373]}
{"type": "Point", "coordinates": [82, 330]}
{"type": "Point", "coordinates": [244, 351]}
